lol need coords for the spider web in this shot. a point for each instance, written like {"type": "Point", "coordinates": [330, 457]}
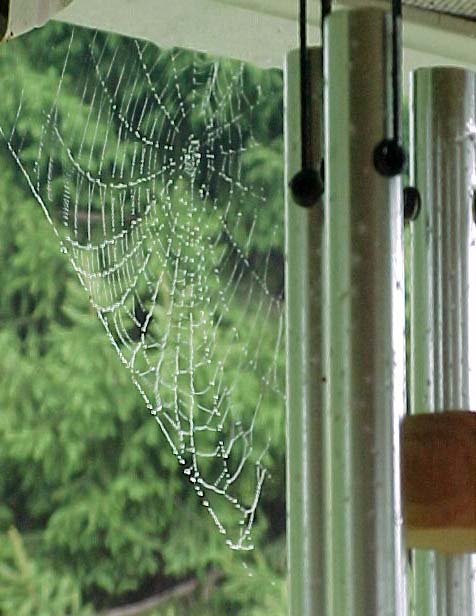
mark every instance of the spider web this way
{"type": "Point", "coordinates": [144, 185]}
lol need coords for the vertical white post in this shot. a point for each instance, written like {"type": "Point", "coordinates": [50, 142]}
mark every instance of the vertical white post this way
{"type": "Point", "coordinates": [305, 490]}
{"type": "Point", "coordinates": [443, 291]}
{"type": "Point", "coordinates": [364, 325]}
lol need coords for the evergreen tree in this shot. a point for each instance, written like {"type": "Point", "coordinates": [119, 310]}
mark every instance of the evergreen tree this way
{"type": "Point", "coordinates": [94, 510]}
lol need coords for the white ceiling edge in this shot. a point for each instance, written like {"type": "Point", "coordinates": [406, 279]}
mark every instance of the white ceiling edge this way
{"type": "Point", "coordinates": [257, 31]}
{"type": "Point", "coordinates": [213, 26]}
{"type": "Point", "coordinates": [262, 31]}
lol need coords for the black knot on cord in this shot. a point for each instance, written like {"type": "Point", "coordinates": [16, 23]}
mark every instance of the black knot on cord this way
{"type": "Point", "coordinates": [307, 187]}
{"type": "Point", "coordinates": [389, 158]}
{"type": "Point", "coordinates": [411, 203]}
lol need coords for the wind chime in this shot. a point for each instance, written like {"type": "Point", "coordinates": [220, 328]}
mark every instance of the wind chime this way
{"type": "Point", "coordinates": [381, 477]}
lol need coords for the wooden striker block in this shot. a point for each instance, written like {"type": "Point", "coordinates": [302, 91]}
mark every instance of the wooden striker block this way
{"type": "Point", "coordinates": [439, 481]}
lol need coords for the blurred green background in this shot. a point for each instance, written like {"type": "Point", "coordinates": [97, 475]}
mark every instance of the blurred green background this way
{"type": "Point", "coordinates": [94, 510]}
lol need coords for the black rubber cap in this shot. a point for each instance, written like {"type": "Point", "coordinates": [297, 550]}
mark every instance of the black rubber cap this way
{"type": "Point", "coordinates": [389, 158]}
{"type": "Point", "coordinates": [411, 203]}
{"type": "Point", "coordinates": [307, 187]}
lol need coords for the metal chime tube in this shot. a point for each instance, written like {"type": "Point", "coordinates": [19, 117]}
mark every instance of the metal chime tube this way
{"type": "Point", "coordinates": [364, 325]}
{"type": "Point", "coordinates": [304, 389]}
{"type": "Point", "coordinates": [443, 291]}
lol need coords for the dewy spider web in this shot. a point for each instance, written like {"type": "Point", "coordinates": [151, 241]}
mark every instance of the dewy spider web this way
{"type": "Point", "coordinates": [145, 188]}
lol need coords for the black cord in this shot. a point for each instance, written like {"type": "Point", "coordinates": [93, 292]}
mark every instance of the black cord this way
{"type": "Point", "coordinates": [304, 78]}
{"type": "Point", "coordinates": [396, 68]}
{"type": "Point", "coordinates": [326, 6]}
{"type": "Point", "coordinates": [389, 154]}
{"type": "Point", "coordinates": [307, 185]}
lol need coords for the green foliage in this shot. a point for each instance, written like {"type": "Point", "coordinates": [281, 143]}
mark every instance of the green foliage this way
{"type": "Point", "coordinates": [93, 507]}
{"type": "Point", "coordinates": [28, 587]}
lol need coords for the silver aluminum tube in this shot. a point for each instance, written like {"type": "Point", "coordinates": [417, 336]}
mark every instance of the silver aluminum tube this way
{"type": "Point", "coordinates": [305, 533]}
{"type": "Point", "coordinates": [443, 293]}
{"type": "Point", "coordinates": [364, 325]}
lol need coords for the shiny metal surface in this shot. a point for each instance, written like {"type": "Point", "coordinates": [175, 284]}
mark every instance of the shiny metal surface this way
{"type": "Point", "coordinates": [305, 532]}
{"type": "Point", "coordinates": [443, 294]}
{"type": "Point", "coordinates": [364, 326]}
